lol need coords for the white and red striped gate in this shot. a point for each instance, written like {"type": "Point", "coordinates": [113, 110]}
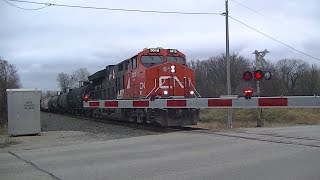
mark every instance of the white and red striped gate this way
{"type": "Point", "coordinates": [255, 102]}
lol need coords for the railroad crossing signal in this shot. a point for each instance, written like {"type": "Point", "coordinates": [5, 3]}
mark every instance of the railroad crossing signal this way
{"type": "Point", "coordinates": [257, 75]}
{"type": "Point", "coordinates": [247, 76]}
{"type": "Point", "coordinates": [248, 93]}
{"type": "Point", "coordinates": [267, 75]}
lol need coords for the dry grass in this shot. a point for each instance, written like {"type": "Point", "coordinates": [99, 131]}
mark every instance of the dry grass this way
{"type": "Point", "coordinates": [5, 139]}
{"type": "Point", "coordinates": [217, 118]}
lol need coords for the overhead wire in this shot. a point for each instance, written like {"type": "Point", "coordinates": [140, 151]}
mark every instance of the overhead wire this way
{"type": "Point", "coordinates": [29, 9]}
{"type": "Point", "coordinates": [274, 39]}
{"type": "Point", "coordinates": [117, 9]}
{"type": "Point", "coordinates": [266, 17]}
{"type": "Point", "coordinates": [164, 12]}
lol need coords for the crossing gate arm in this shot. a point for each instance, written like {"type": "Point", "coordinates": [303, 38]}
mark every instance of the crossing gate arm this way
{"type": "Point", "coordinates": [255, 102]}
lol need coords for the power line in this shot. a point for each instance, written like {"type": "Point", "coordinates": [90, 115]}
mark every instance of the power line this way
{"type": "Point", "coordinates": [116, 9]}
{"type": "Point", "coordinates": [247, 7]}
{"type": "Point", "coordinates": [274, 39]}
{"type": "Point", "coordinates": [159, 12]}
{"type": "Point", "coordinates": [24, 8]}
{"type": "Point", "coordinates": [266, 17]}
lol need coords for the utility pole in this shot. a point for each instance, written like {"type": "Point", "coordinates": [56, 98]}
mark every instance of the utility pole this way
{"type": "Point", "coordinates": [260, 65]}
{"type": "Point", "coordinates": [228, 64]}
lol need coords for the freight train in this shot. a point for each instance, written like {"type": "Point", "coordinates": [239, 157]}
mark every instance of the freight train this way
{"type": "Point", "coordinates": [151, 74]}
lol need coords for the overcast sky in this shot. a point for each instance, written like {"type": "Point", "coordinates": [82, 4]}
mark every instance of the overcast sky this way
{"type": "Point", "coordinates": [46, 42]}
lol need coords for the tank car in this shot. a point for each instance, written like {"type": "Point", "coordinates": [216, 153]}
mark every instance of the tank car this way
{"type": "Point", "coordinates": [53, 104]}
{"type": "Point", "coordinates": [63, 104]}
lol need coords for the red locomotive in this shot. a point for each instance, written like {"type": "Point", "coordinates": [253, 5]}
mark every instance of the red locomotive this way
{"type": "Point", "coordinates": [150, 74]}
{"type": "Point", "coordinates": [160, 71]}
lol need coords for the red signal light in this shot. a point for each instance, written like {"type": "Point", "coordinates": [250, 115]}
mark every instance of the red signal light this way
{"type": "Point", "coordinates": [258, 74]}
{"type": "Point", "coordinates": [86, 97]}
{"type": "Point", "coordinates": [247, 76]}
{"type": "Point", "coordinates": [248, 93]}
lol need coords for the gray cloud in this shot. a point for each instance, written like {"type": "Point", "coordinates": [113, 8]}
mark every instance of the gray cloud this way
{"type": "Point", "coordinates": [43, 43]}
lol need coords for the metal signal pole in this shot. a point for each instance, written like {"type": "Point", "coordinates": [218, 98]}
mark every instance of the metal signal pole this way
{"type": "Point", "coordinates": [260, 65]}
{"type": "Point", "coordinates": [228, 64]}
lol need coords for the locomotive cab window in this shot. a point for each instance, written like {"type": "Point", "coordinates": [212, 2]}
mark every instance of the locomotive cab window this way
{"type": "Point", "coordinates": [177, 59]}
{"type": "Point", "coordinates": [149, 61]}
{"type": "Point", "coordinates": [126, 64]}
{"type": "Point", "coordinates": [134, 62]}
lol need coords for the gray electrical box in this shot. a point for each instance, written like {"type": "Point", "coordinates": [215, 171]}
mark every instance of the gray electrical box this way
{"type": "Point", "coordinates": [23, 111]}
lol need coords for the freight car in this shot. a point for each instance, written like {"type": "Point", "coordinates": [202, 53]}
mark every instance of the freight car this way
{"type": "Point", "coordinates": [44, 104]}
{"type": "Point", "coordinates": [152, 73]}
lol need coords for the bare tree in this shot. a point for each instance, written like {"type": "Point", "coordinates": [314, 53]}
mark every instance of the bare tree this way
{"type": "Point", "coordinates": [48, 94]}
{"type": "Point", "coordinates": [290, 71]}
{"type": "Point", "coordinates": [309, 81]}
{"type": "Point", "coordinates": [65, 81]}
{"type": "Point", "coordinates": [9, 79]}
{"type": "Point", "coordinates": [211, 74]}
{"type": "Point", "coordinates": [80, 75]}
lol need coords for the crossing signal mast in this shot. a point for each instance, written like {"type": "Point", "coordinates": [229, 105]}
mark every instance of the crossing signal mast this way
{"type": "Point", "coordinates": [259, 72]}
{"type": "Point", "coordinates": [259, 68]}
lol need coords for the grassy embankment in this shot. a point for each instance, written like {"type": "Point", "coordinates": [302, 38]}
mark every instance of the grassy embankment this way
{"type": "Point", "coordinates": [242, 118]}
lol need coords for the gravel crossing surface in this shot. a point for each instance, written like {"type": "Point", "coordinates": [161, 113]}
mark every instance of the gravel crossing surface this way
{"type": "Point", "coordinates": [59, 130]}
{"type": "Point", "coordinates": [57, 122]}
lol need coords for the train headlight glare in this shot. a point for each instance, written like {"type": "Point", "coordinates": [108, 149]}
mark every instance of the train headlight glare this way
{"type": "Point", "coordinates": [191, 92]}
{"type": "Point", "coordinates": [173, 68]}
{"type": "Point", "coordinates": [165, 92]}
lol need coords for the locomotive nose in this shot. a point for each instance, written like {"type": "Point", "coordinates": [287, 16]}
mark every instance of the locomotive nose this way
{"type": "Point", "coordinates": [175, 79]}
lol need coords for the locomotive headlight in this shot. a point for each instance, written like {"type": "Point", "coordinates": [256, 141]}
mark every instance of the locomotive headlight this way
{"type": "Point", "coordinates": [165, 92]}
{"type": "Point", "coordinates": [191, 92]}
{"type": "Point", "coordinates": [173, 68]}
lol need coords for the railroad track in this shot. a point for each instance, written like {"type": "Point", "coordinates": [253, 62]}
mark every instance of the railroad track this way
{"type": "Point", "coordinates": [265, 137]}
{"type": "Point", "coordinates": [147, 127]}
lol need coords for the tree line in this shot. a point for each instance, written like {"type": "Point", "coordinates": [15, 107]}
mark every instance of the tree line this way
{"type": "Point", "coordinates": [291, 77]}
{"type": "Point", "coordinates": [9, 79]}
{"type": "Point", "coordinates": [69, 81]}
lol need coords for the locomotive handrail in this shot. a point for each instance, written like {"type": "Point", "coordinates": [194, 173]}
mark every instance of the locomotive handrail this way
{"type": "Point", "coordinates": [157, 88]}
{"type": "Point", "coordinates": [155, 85]}
{"type": "Point", "coordinates": [195, 90]}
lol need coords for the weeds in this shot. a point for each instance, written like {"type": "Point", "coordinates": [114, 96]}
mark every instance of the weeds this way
{"type": "Point", "coordinates": [244, 118]}
{"type": "Point", "coordinates": [5, 139]}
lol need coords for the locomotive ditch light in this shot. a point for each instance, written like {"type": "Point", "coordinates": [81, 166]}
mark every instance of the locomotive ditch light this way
{"type": "Point", "coordinates": [247, 76]}
{"type": "Point", "coordinates": [248, 93]}
{"type": "Point", "coordinates": [191, 92]}
{"type": "Point", "coordinates": [173, 68]}
{"type": "Point", "coordinates": [165, 92]}
{"type": "Point", "coordinates": [267, 75]}
{"type": "Point", "coordinates": [258, 75]}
